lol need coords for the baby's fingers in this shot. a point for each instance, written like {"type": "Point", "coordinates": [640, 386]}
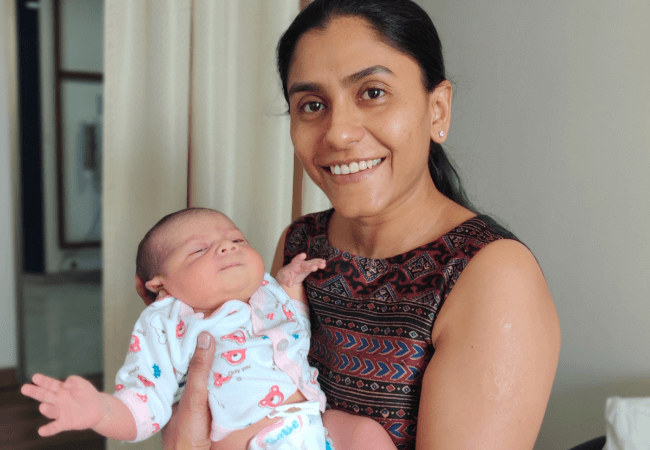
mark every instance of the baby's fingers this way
{"type": "Point", "coordinates": [46, 382]}
{"type": "Point", "coordinates": [49, 410]}
{"type": "Point", "coordinates": [298, 259]}
{"type": "Point", "coordinates": [50, 429]}
{"type": "Point", "coordinates": [37, 393]}
{"type": "Point", "coordinates": [312, 265]}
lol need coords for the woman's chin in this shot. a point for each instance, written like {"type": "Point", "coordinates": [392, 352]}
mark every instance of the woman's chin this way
{"type": "Point", "coordinates": [358, 209]}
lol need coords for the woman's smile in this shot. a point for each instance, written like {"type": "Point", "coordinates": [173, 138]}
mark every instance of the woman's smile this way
{"type": "Point", "coordinates": [354, 167]}
{"type": "Point", "coordinates": [360, 118]}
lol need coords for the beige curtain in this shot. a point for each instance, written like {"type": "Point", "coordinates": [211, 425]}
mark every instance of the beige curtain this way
{"type": "Point", "coordinates": [192, 99]}
{"type": "Point", "coordinates": [313, 199]}
{"type": "Point", "coordinates": [242, 158]}
{"type": "Point", "coordinates": [146, 67]}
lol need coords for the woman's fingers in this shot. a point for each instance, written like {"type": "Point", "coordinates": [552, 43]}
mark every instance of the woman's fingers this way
{"type": "Point", "coordinates": [190, 427]}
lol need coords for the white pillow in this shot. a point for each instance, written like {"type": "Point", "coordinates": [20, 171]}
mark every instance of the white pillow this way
{"type": "Point", "coordinates": [628, 423]}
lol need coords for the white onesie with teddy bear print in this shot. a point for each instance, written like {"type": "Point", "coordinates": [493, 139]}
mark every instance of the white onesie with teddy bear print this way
{"type": "Point", "coordinates": [261, 360]}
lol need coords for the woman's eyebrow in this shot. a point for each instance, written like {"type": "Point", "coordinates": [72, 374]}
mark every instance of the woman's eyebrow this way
{"type": "Point", "coordinates": [347, 81]}
{"type": "Point", "coordinates": [303, 87]}
{"type": "Point", "coordinates": [363, 73]}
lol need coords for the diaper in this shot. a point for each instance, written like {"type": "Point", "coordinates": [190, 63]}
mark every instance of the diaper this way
{"type": "Point", "coordinates": [300, 428]}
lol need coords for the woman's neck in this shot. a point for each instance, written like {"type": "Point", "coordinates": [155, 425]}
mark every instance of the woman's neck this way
{"type": "Point", "coordinates": [415, 221]}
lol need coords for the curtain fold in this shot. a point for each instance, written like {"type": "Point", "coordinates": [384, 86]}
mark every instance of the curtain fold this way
{"type": "Point", "coordinates": [190, 86]}
{"type": "Point", "coordinates": [242, 157]}
{"type": "Point", "coordinates": [146, 86]}
{"type": "Point", "coordinates": [313, 199]}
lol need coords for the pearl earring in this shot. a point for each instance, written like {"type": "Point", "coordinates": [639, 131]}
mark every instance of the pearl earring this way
{"type": "Point", "coordinates": [442, 133]}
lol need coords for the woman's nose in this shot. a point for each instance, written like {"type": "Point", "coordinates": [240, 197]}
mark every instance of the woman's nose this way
{"type": "Point", "coordinates": [226, 246]}
{"type": "Point", "coordinates": [344, 127]}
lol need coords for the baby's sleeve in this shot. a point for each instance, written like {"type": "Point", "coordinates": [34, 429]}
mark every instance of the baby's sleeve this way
{"type": "Point", "coordinates": [303, 311]}
{"type": "Point", "coordinates": [146, 383]}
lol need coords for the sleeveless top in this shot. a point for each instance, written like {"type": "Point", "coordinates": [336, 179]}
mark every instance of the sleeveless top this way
{"type": "Point", "coordinates": [372, 318]}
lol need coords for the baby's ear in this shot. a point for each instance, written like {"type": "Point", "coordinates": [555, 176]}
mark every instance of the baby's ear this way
{"type": "Point", "coordinates": [155, 284]}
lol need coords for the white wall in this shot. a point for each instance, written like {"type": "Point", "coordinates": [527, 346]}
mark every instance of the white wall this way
{"type": "Point", "coordinates": [551, 130]}
{"type": "Point", "coordinates": [8, 157]}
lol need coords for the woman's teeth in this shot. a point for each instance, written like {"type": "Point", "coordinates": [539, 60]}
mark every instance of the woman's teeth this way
{"type": "Point", "coordinates": [354, 167]}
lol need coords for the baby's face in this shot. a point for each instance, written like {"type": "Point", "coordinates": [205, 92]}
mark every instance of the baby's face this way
{"type": "Point", "coordinates": [211, 262]}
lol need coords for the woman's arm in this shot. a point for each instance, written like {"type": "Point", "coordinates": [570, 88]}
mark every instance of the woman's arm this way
{"type": "Point", "coordinates": [497, 342]}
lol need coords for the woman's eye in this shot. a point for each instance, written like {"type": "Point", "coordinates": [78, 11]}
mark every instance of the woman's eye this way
{"type": "Point", "coordinates": [373, 93]}
{"type": "Point", "coordinates": [312, 107]}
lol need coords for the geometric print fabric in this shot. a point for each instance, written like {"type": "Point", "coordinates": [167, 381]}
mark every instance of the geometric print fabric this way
{"type": "Point", "coordinates": [372, 318]}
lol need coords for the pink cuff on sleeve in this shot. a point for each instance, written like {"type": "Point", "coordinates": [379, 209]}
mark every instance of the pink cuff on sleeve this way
{"type": "Point", "coordinates": [140, 412]}
{"type": "Point", "coordinates": [301, 307]}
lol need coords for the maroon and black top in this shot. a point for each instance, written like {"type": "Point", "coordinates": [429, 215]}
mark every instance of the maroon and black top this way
{"type": "Point", "coordinates": [372, 318]}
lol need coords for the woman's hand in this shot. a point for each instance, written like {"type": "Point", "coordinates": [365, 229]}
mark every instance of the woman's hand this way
{"type": "Point", "coordinates": [189, 427]}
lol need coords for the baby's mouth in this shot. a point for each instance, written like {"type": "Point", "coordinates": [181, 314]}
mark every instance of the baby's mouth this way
{"type": "Point", "coordinates": [354, 167]}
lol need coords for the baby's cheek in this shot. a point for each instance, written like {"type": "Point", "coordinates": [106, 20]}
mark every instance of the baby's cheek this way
{"type": "Point", "coordinates": [257, 264]}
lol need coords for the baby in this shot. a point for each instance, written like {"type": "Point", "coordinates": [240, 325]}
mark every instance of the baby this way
{"type": "Point", "coordinates": [217, 283]}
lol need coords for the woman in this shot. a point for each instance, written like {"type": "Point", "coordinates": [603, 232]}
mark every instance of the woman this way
{"type": "Point", "coordinates": [472, 366]}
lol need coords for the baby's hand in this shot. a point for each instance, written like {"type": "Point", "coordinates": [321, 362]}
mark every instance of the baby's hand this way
{"type": "Point", "coordinates": [73, 404]}
{"type": "Point", "coordinates": [298, 269]}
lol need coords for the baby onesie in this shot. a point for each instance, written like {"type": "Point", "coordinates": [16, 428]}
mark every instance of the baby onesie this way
{"type": "Point", "coordinates": [261, 360]}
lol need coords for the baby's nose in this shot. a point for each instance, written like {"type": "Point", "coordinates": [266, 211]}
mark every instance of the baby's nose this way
{"type": "Point", "coordinates": [227, 246]}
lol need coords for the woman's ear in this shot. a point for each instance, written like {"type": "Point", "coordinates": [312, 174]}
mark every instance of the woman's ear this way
{"type": "Point", "coordinates": [155, 284]}
{"type": "Point", "coordinates": [440, 99]}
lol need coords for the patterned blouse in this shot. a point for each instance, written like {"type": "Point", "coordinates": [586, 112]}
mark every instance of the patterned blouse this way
{"type": "Point", "coordinates": [372, 318]}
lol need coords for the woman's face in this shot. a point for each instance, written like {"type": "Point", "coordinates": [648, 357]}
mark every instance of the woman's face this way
{"type": "Point", "coordinates": [361, 119]}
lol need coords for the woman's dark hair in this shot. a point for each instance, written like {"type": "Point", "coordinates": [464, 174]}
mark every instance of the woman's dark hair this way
{"type": "Point", "coordinates": [404, 26]}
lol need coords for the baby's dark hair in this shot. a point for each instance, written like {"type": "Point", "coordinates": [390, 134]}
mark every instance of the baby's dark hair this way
{"type": "Point", "coordinates": [152, 252]}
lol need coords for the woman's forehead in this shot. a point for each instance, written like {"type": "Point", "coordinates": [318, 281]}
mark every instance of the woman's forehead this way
{"type": "Point", "coordinates": [345, 46]}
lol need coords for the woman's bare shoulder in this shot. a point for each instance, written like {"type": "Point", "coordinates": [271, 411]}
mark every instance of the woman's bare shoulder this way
{"type": "Point", "coordinates": [503, 279]}
{"type": "Point", "coordinates": [497, 341]}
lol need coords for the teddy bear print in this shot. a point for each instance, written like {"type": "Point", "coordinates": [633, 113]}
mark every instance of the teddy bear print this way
{"type": "Point", "coordinates": [181, 328]}
{"type": "Point", "coordinates": [156, 323]}
{"type": "Point", "coordinates": [288, 313]}
{"type": "Point", "coordinates": [146, 382]}
{"type": "Point", "coordinates": [273, 398]}
{"type": "Point", "coordinates": [134, 344]}
{"type": "Point", "coordinates": [234, 357]}
{"type": "Point", "coordinates": [219, 379]}
{"type": "Point", "coordinates": [238, 336]}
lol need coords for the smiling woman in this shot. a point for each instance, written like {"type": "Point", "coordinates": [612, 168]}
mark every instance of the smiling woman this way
{"type": "Point", "coordinates": [370, 108]}
{"type": "Point", "coordinates": [356, 102]}
{"type": "Point", "coordinates": [430, 319]}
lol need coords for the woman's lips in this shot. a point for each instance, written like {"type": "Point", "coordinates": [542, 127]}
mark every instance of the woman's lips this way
{"type": "Point", "coordinates": [352, 177]}
{"type": "Point", "coordinates": [354, 167]}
